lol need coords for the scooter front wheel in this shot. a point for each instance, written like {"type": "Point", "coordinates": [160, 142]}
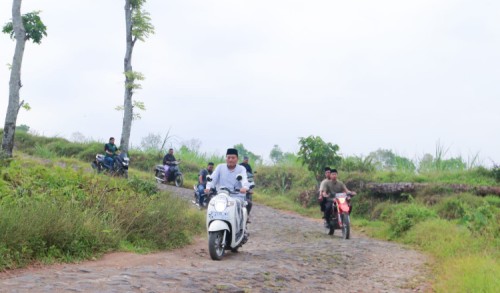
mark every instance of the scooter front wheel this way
{"type": "Point", "coordinates": [215, 245]}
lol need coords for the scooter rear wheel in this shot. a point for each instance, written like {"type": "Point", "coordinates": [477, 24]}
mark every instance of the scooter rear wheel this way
{"type": "Point", "coordinates": [215, 245]}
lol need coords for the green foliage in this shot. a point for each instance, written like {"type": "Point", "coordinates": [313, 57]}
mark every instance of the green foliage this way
{"type": "Point", "coordinates": [317, 154]}
{"type": "Point", "coordinates": [387, 160]}
{"type": "Point", "coordinates": [33, 25]}
{"type": "Point", "coordinates": [141, 24]}
{"type": "Point", "coordinates": [276, 154]}
{"type": "Point", "coordinates": [402, 217]}
{"type": "Point", "coordinates": [54, 211]}
{"type": "Point", "coordinates": [131, 77]}
{"type": "Point", "coordinates": [475, 273]}
{"type": "Point", "coordinates": [465, 262]}
{"type": "Point", "coordinates": [143, 186]}
{"type": "Point", "coordinates": [242, 151]}
{"type": "Point", "coordinates": [22, 128]}
{"type": "Point", "coordinates": [452, 208]}
{"type": "Point", "coordinates": [495, 171]}
{"type": "Point", "coordinates": [357, 164]}
{"type": "Point", "coordinates": [282, 178]}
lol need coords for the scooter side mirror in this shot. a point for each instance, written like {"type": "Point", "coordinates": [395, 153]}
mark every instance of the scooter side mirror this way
{"type": "Point", "coordinates": [209, 178]}
{"type": "Point", "coordinates": [239, 177]}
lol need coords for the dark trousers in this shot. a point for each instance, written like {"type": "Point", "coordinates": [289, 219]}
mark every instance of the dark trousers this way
{"type": "Point", "coordinates": [322, 204]}
{"type": "Point", "coordinates": [249, 203]}
{"type": "Point", "coordinates": [329, 209]}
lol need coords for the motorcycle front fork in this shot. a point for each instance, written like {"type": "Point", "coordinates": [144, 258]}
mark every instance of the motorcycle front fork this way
{"type": "Point", "coordinates": [223, 244]}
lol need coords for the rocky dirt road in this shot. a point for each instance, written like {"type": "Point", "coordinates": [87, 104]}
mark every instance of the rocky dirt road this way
{"type": "Point", "coordinates": [285, 253]}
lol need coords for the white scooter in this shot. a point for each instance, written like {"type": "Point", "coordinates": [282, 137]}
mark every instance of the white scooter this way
{"type": "Point", "coordinates": [226, 223]}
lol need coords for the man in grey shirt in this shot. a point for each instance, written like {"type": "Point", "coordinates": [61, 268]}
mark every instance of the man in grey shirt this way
{"type": "Point", "coordinates": [225, 175]}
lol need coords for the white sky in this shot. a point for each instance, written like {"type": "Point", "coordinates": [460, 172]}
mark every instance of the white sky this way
{"type": "Point", "coordinates": [398, 75]}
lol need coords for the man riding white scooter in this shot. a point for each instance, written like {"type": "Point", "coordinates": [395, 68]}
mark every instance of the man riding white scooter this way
{"type": "Point", "coordinates": [226, 175]}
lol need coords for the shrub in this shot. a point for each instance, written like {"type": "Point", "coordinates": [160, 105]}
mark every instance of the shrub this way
{"type": "Point", "coordinates": [495, 172]}
{"type": "Point", "coordinates": [53, 213]}
{"type": "Point", "coordinates": [361, 205]}
{"type": "Point", "coordinates": [44, 229]}
{"type": "Point", "coordinates": [281, 178]}
{"type": "Point", "coordinates": [143, 186]}
{"type": "Point", "coordinates": [405, 216]}
{"type": "Point", "coordinates": [382, 210]}
{"type": "Point", "coordinates": [452, 208]}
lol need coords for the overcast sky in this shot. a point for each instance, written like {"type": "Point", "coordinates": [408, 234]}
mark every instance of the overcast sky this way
{"type": "Point", "coordinates": [399, 75]}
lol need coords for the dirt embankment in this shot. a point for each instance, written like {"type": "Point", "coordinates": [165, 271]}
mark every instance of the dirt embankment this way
{"type": "Point", "coordinates": [285, 253]}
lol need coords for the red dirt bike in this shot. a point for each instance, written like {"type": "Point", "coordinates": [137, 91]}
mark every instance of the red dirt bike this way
{"type": "Point", "coordinates": [340, 218]}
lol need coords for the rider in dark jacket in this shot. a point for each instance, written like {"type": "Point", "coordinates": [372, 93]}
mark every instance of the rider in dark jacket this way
{"type": "Point", "coordinates": [110, 149]}
{"type": "Point", "coordinates": [168, 161]}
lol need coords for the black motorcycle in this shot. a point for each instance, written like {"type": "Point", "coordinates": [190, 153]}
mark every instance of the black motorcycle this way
{"type": "Point", "coordinates": [175, 174]}
{"type": "Point", "coordinates": [119, 167]}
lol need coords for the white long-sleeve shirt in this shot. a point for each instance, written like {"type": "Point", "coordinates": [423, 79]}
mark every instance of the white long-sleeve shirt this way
{"type": "Point", "coordinates": [223, 177]}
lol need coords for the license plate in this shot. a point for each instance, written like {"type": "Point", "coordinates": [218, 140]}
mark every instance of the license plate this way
{"type": "Point", "coordinates": [219, 215]}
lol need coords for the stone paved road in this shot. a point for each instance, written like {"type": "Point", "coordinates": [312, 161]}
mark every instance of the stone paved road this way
{"type": "Point", "coordinates": [285, 253]}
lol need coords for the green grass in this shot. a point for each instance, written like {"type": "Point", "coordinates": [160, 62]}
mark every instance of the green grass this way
{"type": "Point", "coordinates": [285, 203]}
{"type": "Point", "coordinates": [53, 211]}
{"type": "Point", "coordinates": [475, 273]}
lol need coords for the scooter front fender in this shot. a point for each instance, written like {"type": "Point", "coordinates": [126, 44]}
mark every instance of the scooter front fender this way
{"type": "Point", "coordinates": [218, 225]}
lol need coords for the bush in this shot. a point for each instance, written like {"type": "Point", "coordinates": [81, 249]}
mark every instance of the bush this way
{"type": "Point", "coordinates": [361, 205]}
{"type": "Point", "coordinates": [143, 186]}
{"type": "Point", "coordinates": [405, 216]}
{"type": "Point", "coordinates": [382, 210]}
{"type": "Point", "coordinates": [281, 178]}
{"type": "Point", "coordinates": [452, 208]}
{"type": "Point", "coordinates": [49, 213]}
{"type": "Point", "coordinates": [48, 229]}
{"type": "Point", "coordinates": [495, 172]}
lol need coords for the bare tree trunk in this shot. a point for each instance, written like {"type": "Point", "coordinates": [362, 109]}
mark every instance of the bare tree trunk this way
{"type": "Point", "coordinates": [15, 85]}
{"type": "Point", "coordinates": [129, 80]}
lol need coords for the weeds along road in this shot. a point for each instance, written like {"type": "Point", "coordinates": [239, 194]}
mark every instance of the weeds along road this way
{"type": "Point", "coordinates": [285, 253]}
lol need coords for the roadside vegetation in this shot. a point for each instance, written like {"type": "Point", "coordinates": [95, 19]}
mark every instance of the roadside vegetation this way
{"type": "Point", "coordinates": [445, 217]}
{"type": "Point", "coordinates": [53, 208]}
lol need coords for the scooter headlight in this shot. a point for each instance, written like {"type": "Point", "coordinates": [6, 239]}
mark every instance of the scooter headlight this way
{"type": "Point", "coordinates": [220, 205]}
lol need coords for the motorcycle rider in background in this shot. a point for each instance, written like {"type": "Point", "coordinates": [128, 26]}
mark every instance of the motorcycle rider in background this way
{"type": "Point", "coordinates": [168, 161]}
{"type": "Point", "coordinates": [328, 190]}
{"type": "Point", "coordinates": [249, 173]}
{"type": "Point", "coordinates": [225, 175]}
{"type": "Point", "coordinates": [110, 149]}
{"type": "Point", "coordinates": [246, 165]}
{"type": "Point", "coordinates": [202, 182]}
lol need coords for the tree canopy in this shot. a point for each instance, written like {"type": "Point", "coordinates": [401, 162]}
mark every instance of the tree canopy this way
{"type": "Point", "coordinates": [33, 26]}
{"type": "Point", "coordinates": [317, 154]}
